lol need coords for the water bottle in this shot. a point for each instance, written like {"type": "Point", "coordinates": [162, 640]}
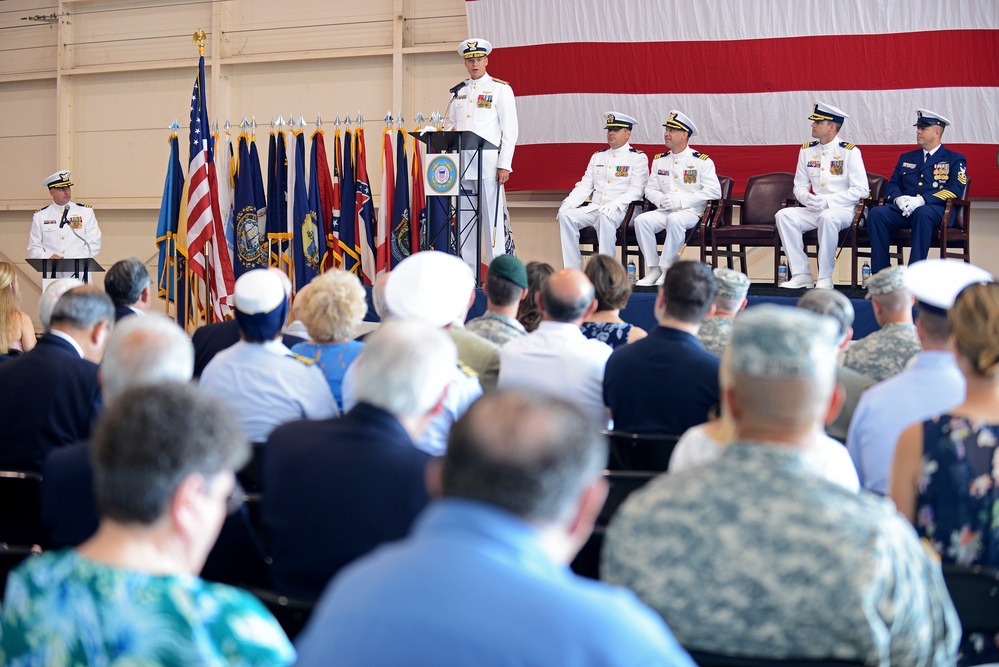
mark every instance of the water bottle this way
{"type": "Point", "coordinates": [865, 274]}
{"type": "Point", "coordinates": [632, 273]}
{"type": "Point", "coordinates": [782, 273]}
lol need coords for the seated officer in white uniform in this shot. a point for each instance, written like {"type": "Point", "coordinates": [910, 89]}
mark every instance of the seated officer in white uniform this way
{"type": "Point", "coordinates": [682, 182]}
{"type": "Point", "coordinates": [829, 181]}
{"type": "Point", "coordinates": [486, 106]}
{"type": "Point", "coordinates": [63, 228]}
{"type": "Point", "coordinates": [614, 178]}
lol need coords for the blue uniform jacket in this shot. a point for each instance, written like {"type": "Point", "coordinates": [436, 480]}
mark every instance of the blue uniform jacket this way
{"type": "Point", "coordinates": [943, 177]}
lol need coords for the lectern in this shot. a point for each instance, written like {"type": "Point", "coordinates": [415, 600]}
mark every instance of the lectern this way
{"type": "Point", "coordinates": [79, 267]}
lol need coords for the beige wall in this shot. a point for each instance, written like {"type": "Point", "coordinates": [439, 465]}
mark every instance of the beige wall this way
{"type": "Point", "coordinates": [94, 90]}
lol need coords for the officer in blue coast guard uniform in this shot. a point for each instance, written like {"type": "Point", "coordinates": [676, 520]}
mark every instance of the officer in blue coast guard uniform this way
{"type": "Point", "coordinates": [614, 177]}
{"type": "Point", "coordinates": [486, 106]}
{"type": "Point", "coordinates": [63, 228]}
{"type": "Point", "coordinates": [919, 188]}
{"type": "Point", "coordinates": [681, 184]}
{"type": "Point", "coordinates": [828, 182]}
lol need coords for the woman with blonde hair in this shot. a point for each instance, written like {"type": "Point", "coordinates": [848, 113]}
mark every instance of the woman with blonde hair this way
{"type": "Point", "coordinates": [331, 306]}
{"type": "Point", "coordinates": [16, 331]}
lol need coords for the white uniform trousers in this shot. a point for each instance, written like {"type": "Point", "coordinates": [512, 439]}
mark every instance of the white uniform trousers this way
{"type": "Point", "coordinates": [571, 220]}
{"type": "Point", "coordinates": [794, 221]}
{"type": "Point", "coordinates": [676, 224]}
{"type": "Point", "coordinates": [490, 250]}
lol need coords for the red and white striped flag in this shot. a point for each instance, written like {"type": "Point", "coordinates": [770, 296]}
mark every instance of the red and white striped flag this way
{"type": "Point", "coordinates": [382, 251]}
{"type": "Point", "coordinates": [748, 74]}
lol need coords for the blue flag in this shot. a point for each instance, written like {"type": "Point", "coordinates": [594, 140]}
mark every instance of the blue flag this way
{"type": "Point", "coordinates": [277, 196]}
{"type": "Point", "coordinates": [307, 234]}
{"type": "Point", "coordinates": [250, 249]}
{"type": "Point", "coordinates": [437, 221]}
{"type": "Point", "coordinates": [166, 227]}
{"type": "Point", "coordinates": [401, 231]}
{"type": "Point", "coordinates": [348, 211]}
{"type": "Point", "coordinates": [259, 193]}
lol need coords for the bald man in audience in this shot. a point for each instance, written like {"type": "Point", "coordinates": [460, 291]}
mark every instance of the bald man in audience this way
{"type": "Point", "coordinates": [557, 357]}
{"type": "Point", "coordinates": [756, 554]}
{"type": "Point", "coordinates": [50, 397]}
{"type": "Point", "coordinates": [360, 476]}
{"type": "Point", "coordinates": [886, 351]}
{"type": "Point", "coordinates": [483, 579]}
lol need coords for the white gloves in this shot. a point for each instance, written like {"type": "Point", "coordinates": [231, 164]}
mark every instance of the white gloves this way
{"type": "Point", "coordinates": [670, 202]}
{"type": "Point", "coordinates": [610, 210]}
{"type": "Point", "coordinates": [816, 204]}
{"type": "Point", "coordinates": [909, 204]}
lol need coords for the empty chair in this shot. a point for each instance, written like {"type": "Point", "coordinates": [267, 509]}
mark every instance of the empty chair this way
{"type": "Point", "coordinates": [765, 195]}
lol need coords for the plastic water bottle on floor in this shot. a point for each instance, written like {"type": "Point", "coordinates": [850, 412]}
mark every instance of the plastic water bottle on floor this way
{"type": "Point", "coordinates": [632, 273]}
{"type": "Point", "coordinates": [782, 273]}
{"type": "Point", "coordinates": [865, 274]}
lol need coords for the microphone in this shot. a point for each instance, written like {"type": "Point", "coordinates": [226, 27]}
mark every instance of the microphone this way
{"type": "Point", "coordinates": [454, 90]}
{"type": "Point", "coordinates": [65, 212]}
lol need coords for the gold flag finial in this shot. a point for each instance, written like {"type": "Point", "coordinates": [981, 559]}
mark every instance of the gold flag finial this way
{"type": "Point", "coordinates": [199, 39]}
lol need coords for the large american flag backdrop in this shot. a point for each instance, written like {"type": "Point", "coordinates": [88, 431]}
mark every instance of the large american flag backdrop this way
{"type": "Point", "coordinates": [747, 72]}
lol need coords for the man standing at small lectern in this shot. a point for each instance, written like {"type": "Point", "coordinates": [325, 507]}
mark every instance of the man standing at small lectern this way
{"type": "Point", "coordinates": [63, 229]}
{"type": "Point", "coordinates": [486, 106]}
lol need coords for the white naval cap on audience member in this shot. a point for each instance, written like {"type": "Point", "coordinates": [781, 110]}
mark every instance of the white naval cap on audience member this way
{"type": "Point", "coordinates": [430, 287]}
{"type": "Point", "coordinates": [261, 298]}
{"type": "Point", "coordinates": [936, 282]}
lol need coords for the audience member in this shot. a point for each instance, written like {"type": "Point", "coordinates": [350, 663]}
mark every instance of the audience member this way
{"type": "Point", "coordinates": [837, 306]}
{"type": "Point", "coordinates": [716, 331]}
{"type": "Point", "coordinates": [610, 284]}
{"type": "Point", "coordinates": [261, 380]}
{"type": "Point", "coordinates": [756, 554]}
{"type": "Point", "coordinates": [52, 293]}
{"type": "Point", "coordinates": [705, 443]}
{"type": "Point", "coordinates": [520, 499]}
{"type": "Point", "coordinates": [358, 478]}
{"type": "Point", "coordinates": [506, 287]}
{"type": "Point", "coordinates": [127, 283]}
{"type": "Point", "coordinates": [885, 352]}
{"type": "Point", "coordinates": [667, 382]}
{"type": "Point", "coordinates": [942, 478]}
{"type": "Point", "coordinates": [931, 384]}
{"type": "Point", "coordinates": [330, 307]}
{"type": "Point", "coordinates": [557, 358]}
{"type": "Point", "coordinates": [17, 333]}
{"type": "Point", "coordinates": [529, 314]}
{"type": "Point", "coordinates": [163, 462]}
{"type": "Point", "coordinates": [50, 397]}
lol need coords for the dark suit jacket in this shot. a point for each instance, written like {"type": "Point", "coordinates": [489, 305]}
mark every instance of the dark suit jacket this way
{"type": "Point", "coordinates": [211, 339]}
{"type": "Point", "coordinates": [49, 397]}
{"type": "Point", "coordinates": [69, 518]}
{"type": "Point", "coordinates": [336, 489]}
{"type": "Point", "coordinates": [664, 383]}
{"type": "Point", "coordinates": [121, 312]}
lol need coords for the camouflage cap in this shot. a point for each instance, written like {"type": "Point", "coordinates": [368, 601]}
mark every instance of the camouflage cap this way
{"type": "Point", "coordinates": [731, 284]}
{"type": "Point", "coordinates": [778, 342]}
{"type": "Point", "coordinates": [886, 281]}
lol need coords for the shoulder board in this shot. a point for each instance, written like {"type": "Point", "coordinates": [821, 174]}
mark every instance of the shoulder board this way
{"type": "Point", "coordinates": [505, 83]}
{"type": "Point", "coordinates": [659, 155]}
{"type": "Point", "coordinates": [700, 156]}
{"type": "Point", "coordinates": [847, 146]}
{"type": "Point", "coordinates": [809, 144]}
{"type": "Point", "coordinates": [466, 369]}
{"type": "Point", "coordinates": [304, 360]}
{"type": "Point", "coordinates": [637, 150]}
{"type": "Point", "coordinates": [83, 205]}
{"type": "Point", "coordinates": [602, 150]}
{"type": "Point", "coordinates": [42, 209]}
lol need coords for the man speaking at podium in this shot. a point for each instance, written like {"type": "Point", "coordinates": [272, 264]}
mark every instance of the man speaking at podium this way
{"type": "Point", "coordinates": [63, 229]}
{"type": "Point", "coordinates": [486, 106]}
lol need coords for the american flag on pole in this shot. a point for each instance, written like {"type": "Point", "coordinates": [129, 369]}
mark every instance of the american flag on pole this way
{"type": "Point", "coordinates": [747, 73]}
{"type": "Point", "coordinates": [206, 238]}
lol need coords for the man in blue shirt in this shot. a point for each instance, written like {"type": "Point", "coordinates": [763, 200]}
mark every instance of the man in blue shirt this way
{"type": "Point", "coordinates": [482, 580]}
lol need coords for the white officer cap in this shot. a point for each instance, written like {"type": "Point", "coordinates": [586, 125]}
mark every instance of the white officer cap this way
{"type": "Point", "coordinates": [680, 121]}
{"type": "Point", "coordinates": [925, 118]}
{"type": "Point", "coordinates": [60, 179]}
{"type": "Point", "coordinates": [823, 111]}
{"type": "Point", "coordinates": [261, 303]}
{"type": "Point", "coordinates": [886, 281]}
{"type": "Point", "coordinates": [778, 342]}
{"type": "Point", "coordinates": [474, 48]}
{"type": "Point", "coordinates": [732, 284]}
{"type": "Point", "coordinates": [936, 282]}
{"type": "Point", "coordinates": [430, 287]}
{"type": "Point", "coordinates": [615, 120]}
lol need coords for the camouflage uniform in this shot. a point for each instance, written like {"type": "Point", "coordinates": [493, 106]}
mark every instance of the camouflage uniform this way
{"type": "Point", "coordinates": [496, 327]}
{"type": "Point", "coordinates": [883, 353]}
{"type": "Point", "coordinates": [715, 334]}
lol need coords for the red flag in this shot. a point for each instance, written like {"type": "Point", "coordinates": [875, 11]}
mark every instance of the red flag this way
{"type": "Point", "coordinates": [334, 256]}
{"type": "Point", "coordinates": [322, 169]}
{"type": "Point", "coordinates": [385, 210]}
{"type": "Point", "coordinates": [419, 200]}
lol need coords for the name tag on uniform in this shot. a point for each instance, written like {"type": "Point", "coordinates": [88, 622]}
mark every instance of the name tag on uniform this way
{"type": "Point", "coordinates": [462, 97]}
{"type": "Point", "coordinates": [689, 176]}
{"type": "Point", "coordinates": [621, 170]}
{"type": "Point", "coordinates": [836, 167]}
{"type": "Point", "coordinates": [485, 101]}
{"type": "Point", "coordinates": [908, 165]}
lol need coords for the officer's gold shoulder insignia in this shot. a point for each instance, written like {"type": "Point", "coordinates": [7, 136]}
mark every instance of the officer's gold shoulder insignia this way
{"type": "Point", "coordinates": [466, 369]}
{"type": "Point", "coordinates": [700, 156]}
{"type": "Point", "coordinates": [659, 155]}
{"type": "Point", "coordinates": [302, 360]}
{"type": "Point", "coordinates": [505, 83]}
{"type": "Point", "coordinates": [847, 146]}
{"type": "Point", "coordinates": [809, 144]}
{"type": "Point", "coordinates": [637, 150]}
{"type": "Point", "coordinates": [41, 209]}
{"type": "Point", "coordinates": [83, 205]}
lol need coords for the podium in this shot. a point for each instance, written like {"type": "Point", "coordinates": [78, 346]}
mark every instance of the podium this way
{"type": "Point", "coordinates": [80, 267]}
{"type": "Point", "coordinates": [469, 146]}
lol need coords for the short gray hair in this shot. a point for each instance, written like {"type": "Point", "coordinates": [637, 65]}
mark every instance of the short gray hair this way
{"type": "Point", "coordinates": [405, 367]}
{"type": "Point", "coordinates": [83, 308]}
{"type": "Point", "coordinates": [145, 350]}
{"type": "Point", "coordinates": [831, 303]}
{"type": "Point", "coordinates": [125, 281]}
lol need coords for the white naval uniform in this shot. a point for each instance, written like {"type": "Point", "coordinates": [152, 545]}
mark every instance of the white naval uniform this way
{"type": "Point", "coordinates": [613, 179]}
{"type": "Point", "coordinates": [835, 172]}
{"type": "Point", "coordinates": [485, 106]}
{"type": "Point", "coordinates": [81, 237]}
{"type": "Point", "coordinates": [680, 186]}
